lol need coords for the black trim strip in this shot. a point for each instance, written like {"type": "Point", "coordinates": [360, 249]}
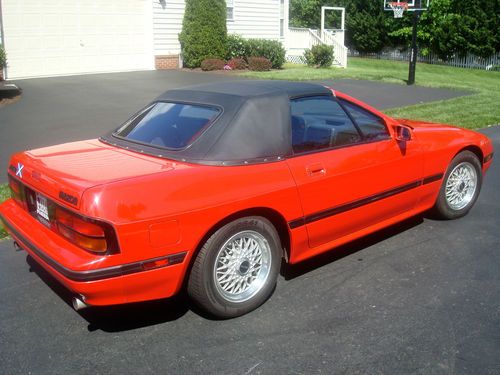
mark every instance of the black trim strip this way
{"type": "Point", "coordinates": [90, 275]}
{"type": "Point", "coordinates": [362, 202]}
{"type": "Point", "coordinates": [433, 178]}
{"type": "Point", "coordinates": [487, 158]}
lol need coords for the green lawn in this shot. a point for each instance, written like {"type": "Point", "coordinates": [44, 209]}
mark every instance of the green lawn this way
{"type": "Point", "coordinates": [4, 194]}
{"type": "Point", "coordinates": [478, 110]}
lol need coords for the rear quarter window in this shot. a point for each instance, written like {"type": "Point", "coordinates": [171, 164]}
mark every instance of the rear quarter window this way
{"type": "Point", "coordinates": [168, 125]}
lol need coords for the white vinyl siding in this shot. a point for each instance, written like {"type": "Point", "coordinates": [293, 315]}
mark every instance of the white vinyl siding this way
{"type": "Point", "coordinates": [52, 37]}
{"type": "Point", "coordinates": [251, 19]}
{"type": "Point", "coordinates": [256, 19]}
{"type": "Point", "coordinates": [167, 24]}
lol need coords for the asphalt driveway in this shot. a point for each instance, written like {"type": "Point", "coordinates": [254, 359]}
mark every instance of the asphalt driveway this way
{"type": "Point", "coordinates": [422, 297]}
{"type": "Point", "coordinates": [65, 109]}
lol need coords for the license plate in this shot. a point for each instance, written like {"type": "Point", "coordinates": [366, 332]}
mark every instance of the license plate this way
{"type": "Point", "coordinates": [41, 207]}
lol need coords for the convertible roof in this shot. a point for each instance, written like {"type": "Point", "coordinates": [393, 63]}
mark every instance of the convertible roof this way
{"type": "Point", "coordinates": [254, 125]}
{"type": "Point", "coordinates": [248, 89]}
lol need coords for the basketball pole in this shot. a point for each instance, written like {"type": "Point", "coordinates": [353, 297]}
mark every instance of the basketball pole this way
{"type": "Point", "coordinates": [414, 50]}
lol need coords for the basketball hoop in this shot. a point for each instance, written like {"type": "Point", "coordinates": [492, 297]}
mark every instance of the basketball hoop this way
{"type": "Point", "coordinates": [398, 8]}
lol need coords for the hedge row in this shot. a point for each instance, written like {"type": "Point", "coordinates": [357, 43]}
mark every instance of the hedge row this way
{"type": "Point", "coordinates": [272, 50]}
{"type": "Point", "coordinates": [237, 51]}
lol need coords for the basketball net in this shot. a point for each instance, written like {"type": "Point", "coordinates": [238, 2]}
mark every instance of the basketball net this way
{"type": "Point", "coordinates": [398, 8]}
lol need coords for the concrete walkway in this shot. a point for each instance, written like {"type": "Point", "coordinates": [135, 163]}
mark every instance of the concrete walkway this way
{"type": "Point", "coordinates": [64, 109]}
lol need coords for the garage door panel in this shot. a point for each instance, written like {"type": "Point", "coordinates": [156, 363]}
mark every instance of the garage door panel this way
{"type": "Point", "coordinates": [82, 36]}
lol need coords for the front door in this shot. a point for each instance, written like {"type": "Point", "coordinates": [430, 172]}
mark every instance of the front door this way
{"type": "Point", "coordinates": [350, 172]}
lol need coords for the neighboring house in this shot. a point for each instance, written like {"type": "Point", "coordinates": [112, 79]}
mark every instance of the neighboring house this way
{"type": "Point", "coordinates": [61, 37]}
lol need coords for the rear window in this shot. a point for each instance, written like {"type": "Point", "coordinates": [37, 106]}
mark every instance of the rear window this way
{"type": "Point", "coordinates": [168, 125]}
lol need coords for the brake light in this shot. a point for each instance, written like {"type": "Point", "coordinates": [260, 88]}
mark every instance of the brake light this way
{"type": "Point", "coordinates": [78, 225]}
{"type": "Point", "coordinates": [17, 191]}
{"type": "Point", "coordinates": [88, 235]}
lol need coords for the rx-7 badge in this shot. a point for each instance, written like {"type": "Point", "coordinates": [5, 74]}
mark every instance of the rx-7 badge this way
{"type": "Point", "coordinates": [19, 171]}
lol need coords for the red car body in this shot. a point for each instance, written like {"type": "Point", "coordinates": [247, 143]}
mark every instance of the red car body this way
{"type": "Point", "coordinates": [160, 211]}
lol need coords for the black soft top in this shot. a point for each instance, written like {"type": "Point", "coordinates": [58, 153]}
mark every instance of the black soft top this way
{"type": "Point", "coordinates": [253, 127]}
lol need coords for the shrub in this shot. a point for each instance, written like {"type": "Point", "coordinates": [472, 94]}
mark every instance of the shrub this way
{"type": "Point", "coordinates": [212, 64]}
{"type": "Point", "coordinates": [320, 55]}
{"type": "Point", "coordinates": [203, 32]}
{"type": "Point", "coordinates": [237, 63]}
{"type": "Point", "coordinates": [273, 50]}
{"type": "Point", "coordinates": [259, 64]}
{"type": "Point", "coordinates": [236, 46]}
{"type": "Point", "coordinates": [3, 57]}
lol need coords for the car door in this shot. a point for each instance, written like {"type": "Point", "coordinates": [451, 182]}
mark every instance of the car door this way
{"type": "Point", "coordinates": [350, 172]}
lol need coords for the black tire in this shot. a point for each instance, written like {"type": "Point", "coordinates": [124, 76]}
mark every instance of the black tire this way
{"type": "Point", "coordinates": [210, 289]}
{"type": "Point", "coordinates": [444, 208]}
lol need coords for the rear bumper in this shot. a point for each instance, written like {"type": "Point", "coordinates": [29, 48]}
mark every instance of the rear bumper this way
{"type": "Point", "coordinates": [117, 284]}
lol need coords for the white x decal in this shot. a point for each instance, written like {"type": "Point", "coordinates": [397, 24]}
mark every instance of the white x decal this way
{"type": "Point", "coordinates": [19, 171]}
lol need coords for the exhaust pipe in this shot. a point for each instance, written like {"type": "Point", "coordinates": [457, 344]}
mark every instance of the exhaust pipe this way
{"type": "Point", "coordinates": [17, 247]}
{"type": "Point", "coordinates": [78, 304]}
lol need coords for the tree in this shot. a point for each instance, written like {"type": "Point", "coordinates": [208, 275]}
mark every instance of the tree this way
{"type": "Point", "coordinates": [448, 28]}
{"type": "Point", "coordinates": [3, 57]}
{"type": "Point", "coordinates": [204, 31]}
{"type": "Point", "coordinates": [452, 27]}
{"type": "Point", "coordinates": [367, 24]}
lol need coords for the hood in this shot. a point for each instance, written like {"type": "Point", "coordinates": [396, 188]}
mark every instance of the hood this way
{"type": "Point", "coordinates": [423, 124]}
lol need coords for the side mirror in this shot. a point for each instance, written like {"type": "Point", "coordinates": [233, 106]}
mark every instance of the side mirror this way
{"type": "Point", "coordinates": [403, 133]}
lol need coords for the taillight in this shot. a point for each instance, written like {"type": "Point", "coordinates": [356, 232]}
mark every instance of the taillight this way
{"type": "Point", "coordinates": [17, 191]}
{"type": "Point", "coordinates": [88, 234]}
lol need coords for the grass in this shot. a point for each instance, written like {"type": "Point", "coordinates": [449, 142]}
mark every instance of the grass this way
{"type": "Point", "coordinates": [4, 194]}
{"type": "Point", "coordinates": [477, 110]}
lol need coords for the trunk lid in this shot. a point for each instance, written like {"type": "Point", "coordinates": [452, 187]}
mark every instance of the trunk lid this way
{"type": "Point", "coordinates": [64, 172]}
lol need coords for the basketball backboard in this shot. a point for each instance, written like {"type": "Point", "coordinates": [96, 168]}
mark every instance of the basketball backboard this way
{"type": "Point", "coordinates": [413, 5]}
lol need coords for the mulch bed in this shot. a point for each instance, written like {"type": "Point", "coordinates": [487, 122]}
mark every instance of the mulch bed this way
{"type": "Point", "coordinates": [7, 101]}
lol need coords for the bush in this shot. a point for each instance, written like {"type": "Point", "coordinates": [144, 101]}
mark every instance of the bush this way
{"type": "Point", "coordinates": [320, 55]}
{"type": "Point", "coordinates": [271, 49]}
{"type": "Point", "coordinates": [3, 57]}
{"type": "Point", "coordinates": [212, 64]}
{"type": "Point", "coordinates": [237, 63]}
{"type": "Point", "coordinates": [259, 64]}
{"type": "Point", "coordinates": [203, 32]}
{"type": "Point", "coordinates": [236, 46]}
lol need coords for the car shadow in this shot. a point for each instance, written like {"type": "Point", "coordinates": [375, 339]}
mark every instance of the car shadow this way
{"type": "Point", "coordinates": [119, 318]}
{"type": "Point", "coordinates": [132, 316]}
{"type": "Point", "coordinates": [291, 271]}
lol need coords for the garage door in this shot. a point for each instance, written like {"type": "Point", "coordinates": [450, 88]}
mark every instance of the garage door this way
{"type": "Point", "coordinates": [57, 37]}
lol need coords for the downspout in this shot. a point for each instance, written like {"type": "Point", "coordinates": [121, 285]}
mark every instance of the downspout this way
{"type": "Point", "coordinates": [2, 40]}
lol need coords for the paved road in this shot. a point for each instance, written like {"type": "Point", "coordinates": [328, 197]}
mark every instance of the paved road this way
{"type": "Point", "coordinates": [64, 109]}
{"type": "Point", "coordinates": [419, 298]}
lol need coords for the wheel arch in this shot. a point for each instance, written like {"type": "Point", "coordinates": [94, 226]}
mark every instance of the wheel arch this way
{"type": "Point", "coordinates": [476, 150]}
{"type": "Point", "coordinates": [276, 219]}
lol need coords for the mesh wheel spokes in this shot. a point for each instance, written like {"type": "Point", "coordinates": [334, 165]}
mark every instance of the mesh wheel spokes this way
{"type": "Point", "coordinates": [461, 186]}
{"type": "Point", "coordinates": [242, 266]}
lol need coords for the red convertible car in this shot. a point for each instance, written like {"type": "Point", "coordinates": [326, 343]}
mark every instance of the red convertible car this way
{"type": "Point", "coordinates": [208, 188]}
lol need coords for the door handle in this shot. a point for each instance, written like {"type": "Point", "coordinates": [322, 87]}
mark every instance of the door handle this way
{"type": "Point", "coordinates": [316, 169]}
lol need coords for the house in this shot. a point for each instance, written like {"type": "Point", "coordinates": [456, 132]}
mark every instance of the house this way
{"type": "Point", "coordinates": [62, 37]}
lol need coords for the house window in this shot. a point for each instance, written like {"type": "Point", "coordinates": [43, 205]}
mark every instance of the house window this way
{"type": "Point", "coordinates": [282, 18]}
{"type": "Point", "coordinates": [230, 10]}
